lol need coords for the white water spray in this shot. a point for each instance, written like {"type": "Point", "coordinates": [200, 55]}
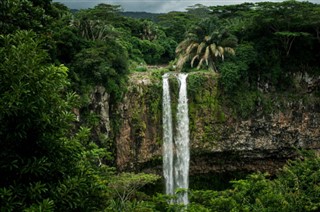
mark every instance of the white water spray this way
{"type": "Point", "coordinates": [181, 166]}
{"type": "Point", "coordinates": [180, 178]}
{"type": "Point", "coordinates": [167, 137]}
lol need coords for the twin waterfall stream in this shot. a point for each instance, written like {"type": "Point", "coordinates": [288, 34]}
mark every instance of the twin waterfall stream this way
{"type": "Point", "coordinates": [176, 154]}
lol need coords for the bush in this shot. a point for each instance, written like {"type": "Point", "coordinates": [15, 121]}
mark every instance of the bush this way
{"type": "Point", "coordinates": [45, 163]}
{"type": "Point", "coordinates": [296, 188]}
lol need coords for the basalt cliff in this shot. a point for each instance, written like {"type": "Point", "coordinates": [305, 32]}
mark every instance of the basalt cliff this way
{"type": "Point", "coordinates": [258, 131]}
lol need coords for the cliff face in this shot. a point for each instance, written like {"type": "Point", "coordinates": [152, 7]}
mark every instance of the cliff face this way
{"type": "Point", "coordinates": [99, 99]}
{"type": "Point", "coordinates": [140, 134]}
{"type": "Point", "coordinates": [220, 140]}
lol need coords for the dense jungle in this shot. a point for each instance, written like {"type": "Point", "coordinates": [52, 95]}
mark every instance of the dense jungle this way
{"type": "Point", "coordinates": [81, 106]}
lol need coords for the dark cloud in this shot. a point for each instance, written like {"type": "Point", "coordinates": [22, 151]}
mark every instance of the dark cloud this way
{"type": "Point", "coordinates": [155, 5]}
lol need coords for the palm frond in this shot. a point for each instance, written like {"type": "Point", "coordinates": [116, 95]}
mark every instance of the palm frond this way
{"type": "Point", "coordinates": [193, 59]}
{"type": "Point", "coordinates": [206, 54]}
{"type": "Point", "coordinates": [205, 42]}
{"type": "Point", "coordinates": [200, 63]}
{"type": "Point", "coordinates": [230, 50]}
{"type": "Point", "coordinates": [200, 47]}
{"type": "Point", "coordinates": [213, 48]}
{"type": "Point", "coordinates": [181, 61]}
{"type": "Point", "coordinates": [191, 47]}
{"type": "Point", "coordinates": [182, 46]}
{"type": "Point", "coordinates": [221, 50]}
{"type": "Point", "coordinates": [216, 53]}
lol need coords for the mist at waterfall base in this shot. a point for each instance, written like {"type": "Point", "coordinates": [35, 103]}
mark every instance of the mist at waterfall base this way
{"type": "Point", "coordinates": [176, 153]}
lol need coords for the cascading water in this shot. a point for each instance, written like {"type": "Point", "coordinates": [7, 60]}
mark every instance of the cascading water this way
{"type": "Point", "coordinates": [176, 177]}
{"type": "Point", "coordinates": [167, 136]}
{"type": "Point", "coordinates": [181, 165]}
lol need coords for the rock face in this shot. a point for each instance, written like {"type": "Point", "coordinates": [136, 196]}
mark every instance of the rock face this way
{"type": "Point", "coordinates": [139, 136]}
{"type": "Point", "coordinates": [99, 99]}
{"type": "Point", "coordinates": [262, 144]}
{"type": "Point", "coordinates": [220, 140]}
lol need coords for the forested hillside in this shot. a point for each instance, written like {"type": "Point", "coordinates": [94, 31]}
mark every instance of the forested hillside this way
{"type": "Point", "coordinates": [52, 59]}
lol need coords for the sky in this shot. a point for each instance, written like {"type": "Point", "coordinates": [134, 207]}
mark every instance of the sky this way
{"type": "Point", "coordinates": [156, 6]}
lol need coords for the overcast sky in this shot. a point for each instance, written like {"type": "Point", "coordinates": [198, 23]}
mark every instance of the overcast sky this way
{"type": "Point", "coordinates": [158, 6]}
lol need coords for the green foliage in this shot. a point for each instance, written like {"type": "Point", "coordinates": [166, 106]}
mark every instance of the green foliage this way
{"type": "Point", "coordinates": [103, 64]}
{"type": "Point", "coordinates": [125, 186]}
{"type": "Point", "coordinates": [235, 71]}
{"type": "Point", "coordinates": [43, 165]}
{"type": "Point", "coordinates": [176, 24]}
{"type": "Point", "coordinates": [207, 117]}
{"type": "Point", "coordinates": [45, 205]}
{"type": "Point", "coordinates": [98, 23]}
{"type": "Point", "coordinates": [148, 31]}
{"type": "Point", "coordinates": [151, 51]}
{"type": "Point", "coordinates": [204, 44]}
{"type": "Point", "coordinates": [199, 10]}
{"type": "Point", "coordinates": [283, 37]}
{"type": "Point", "coordinates": [48, 161]}
{"type": "Point", "coordinates": [245, 103]}
{"type": "Point", "coordinates": [169, 46]}
{"type": "Point", "coordinates": [141, 68]}
{"type": "Point", "coordinates": [294, 189]}
{"type": "Point", "coordinates": [299, 182]}
{"type": "Point", "coordinates": [24, 15]}
{"type": "Point", "coordinates": [67, 42]}
{"type": "Point", "coordinates": [157, 73]}
{"type": "Point", "coordinates": [231, 75]}
{"type": "Point", "coordinates": [27, 85]}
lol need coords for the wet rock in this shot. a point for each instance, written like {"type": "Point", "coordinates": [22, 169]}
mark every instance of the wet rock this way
{"type": "Point", "coordinates": [219, 142]}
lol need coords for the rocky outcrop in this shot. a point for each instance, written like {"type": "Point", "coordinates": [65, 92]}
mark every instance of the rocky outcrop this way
{"type": "Point", "coordinates": [220, 140]}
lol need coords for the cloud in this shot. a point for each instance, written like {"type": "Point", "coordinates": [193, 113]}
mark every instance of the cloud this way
{"type": "Point", "coordinates": [158, 6]}
{"type": "Point", "coordinates": [136, 5]}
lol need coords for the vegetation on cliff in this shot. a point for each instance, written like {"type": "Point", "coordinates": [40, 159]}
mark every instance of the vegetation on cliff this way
{"type": "Point", "coordinates": [51, 59]}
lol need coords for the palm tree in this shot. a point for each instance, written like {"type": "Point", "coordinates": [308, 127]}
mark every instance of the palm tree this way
{"type": "Point", "coordinates": [204, 44]}
{"type": "Point", "coordinates": [95, 29]}
{"type": "Point", "coordinates": [96, 24]}
{"type": "Point", "coordinates": [148, 30]}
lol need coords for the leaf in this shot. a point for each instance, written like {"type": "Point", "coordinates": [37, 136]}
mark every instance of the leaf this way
{"type": "Point", "coordinates": [191, 47]}
{"type": "Point", "coordinates": [200, 63]}
{"type": "Point", "coordinates": [206, 54]}
{"type": "Point", "coordinates": [193, 59]}
{"type": "Point", "coordinates": [221, 51]}
{"type": "Point", "coordinates": [201, 47]}
{"type": "Point", "coordinates": [213, 48]}
{"type": "Point", "coordinates": [230, 50]}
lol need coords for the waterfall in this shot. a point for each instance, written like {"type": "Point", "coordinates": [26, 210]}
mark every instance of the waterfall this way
{"type": "Point", "coordinates": [181, 165]}
{"type": "Point", "coordinates": [176, 177]}
{"type": "Point", "coordinates": [167, 136]}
